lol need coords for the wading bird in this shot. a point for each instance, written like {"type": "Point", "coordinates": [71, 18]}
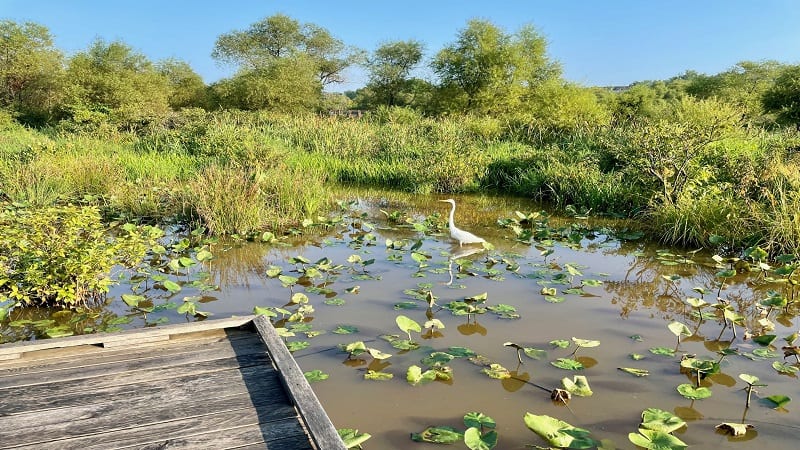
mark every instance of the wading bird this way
{"type": "Point", "coordinates": [463, 237]}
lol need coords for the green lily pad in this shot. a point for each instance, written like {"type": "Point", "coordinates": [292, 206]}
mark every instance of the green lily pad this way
{"type": "Point", "coordinates": [334, 301]}
{"type": "Point", "coordinates": [496, 371]}
{"type": "Point", "coordinates": [352, 438]}
{"type": "Point", "coordinates": [656, 440]}
{"type": "Point", "coordinates": [438, 435]}
{"type": "Point", "coordinates": [345, 329]}
{"type": "Point", "coordinates": [660, 420]}
{"type": "Point", "coordinates": [437, 359]}
{"type": "Point", "coordinates": [554, 299]}
{"type": "Point", "coordinates": [297, 345]}
{"type": "Point", "coordinates": [567, 364]}
{"type": "Point", "coordinates": [764, 339]}
{"type": "Point", "coordinates": [534, 353]}
{"type": "Point", "coordinates": [679, 329]}
{"type": "Point", "coordinates": [406, 305]}
{"type": "Point", "coordinates": [560, 343]}
{"type": "Point", "coordinates": [585, 343]}
{"type": "Point", "coordinates": [579, 386]}
{"type": "Point", "coordinates": [460, 352]}
{"type": "Point", "coordinates": [315, 375]}
{"type": "Point", "coordinates": [559, 433]}
{"type": "Point", "coordinates": [694, 393]}
{"type": "Point", "coordinates": [479, 420]}
{"type": "Point", "coordinates": [377, 375]}
{"type": "Point", "coordinates": [663, 351]}
{"type": "Point", "coordinates": [415, 376]}
{"type": "Point", "coordinates": [778, 400]}
{"type": "Point", "coordinates": [784, 368]}
{"type": "Point", "coordinates": [634, 371]}
{"type": "Point", "coordinates": [474, 440]}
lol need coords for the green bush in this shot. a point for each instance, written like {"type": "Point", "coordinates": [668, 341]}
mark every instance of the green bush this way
{"type": "Point", "coordinates": [63, 256]}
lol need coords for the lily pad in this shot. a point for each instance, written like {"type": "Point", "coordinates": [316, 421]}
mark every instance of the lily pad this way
{"type": "Point", "coordinates": [415, 376]}
{"type": "Point", "coordinates": [474, 440]}
{"type": "Point", "coordinates": [479, 420]}
{"type": "Point", "coordinates": [496, 371]}
{"type": "Point", "coordinates": [567, 364]}
{"type": "Point", "coordinates": [438, 435]}
{"type": "Point", "coordinates": [660, 420]}
{"type": "Point", "coordinates": [534, 353]}
{"type": "Point", "coordinates": [377, 375]}
{"type": "Point", "coordinates": [345, 329]}
{"type": "Point", "coordinates": [460, 352]}
{"type": "Point", "coordinates": [579, 386]}
{"type": "Point", "coordinates": [656, 440]}
{"type": "Point", "coordinates": [778, 400]}
{"type": "Point", "coordinates": [352, 438]}
{"type": "Point", "coordinates": [662, 351]}
{"type": "Point", "coordinates": [560, 343]}
{"type": "Point", "coordinates": [784, 368]}
{"type": "Point", "coordinates": [297, 345]}
{"type": "Point", "coordinates": [585, 343]}
{"type": "Point", "coordinates": [559, 433]}
{"type": "Point", "coordinates": [634, 371]}
{"type": "Point", "coordinates": [694, 393]}
{"type": "Point", "coordinates": [315, 375]}
{"type": "Point", "coordinates": [679, 329]}
{"type": "Point", "coordinates": [764, 339]}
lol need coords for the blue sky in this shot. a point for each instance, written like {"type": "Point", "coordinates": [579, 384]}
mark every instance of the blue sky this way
{"type": "Point", "coordinates": [612, 42]}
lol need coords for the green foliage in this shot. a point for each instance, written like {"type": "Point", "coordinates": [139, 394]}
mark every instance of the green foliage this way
{"type": "Point", "coordinates": [63, 256]}
{"type": "Point", "coordinates": [783, 97]}
{"type": "Point", "coordinates": [389, 69]}
{"type": "Point", "coordinates": [30, 71]}
{"type": "Point", "coordinates": [489, 71]}
{"type": "Point", "coordinates": [110, 81]}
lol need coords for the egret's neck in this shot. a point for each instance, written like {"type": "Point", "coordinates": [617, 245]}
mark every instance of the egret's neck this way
{"type": "Point", "coordinates": [452, 213]}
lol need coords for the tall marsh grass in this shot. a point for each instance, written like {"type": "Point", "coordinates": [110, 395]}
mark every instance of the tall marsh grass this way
{"type": "Point", "coordinates": [238, 172]}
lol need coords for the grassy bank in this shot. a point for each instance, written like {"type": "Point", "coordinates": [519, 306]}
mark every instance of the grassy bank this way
{"type": "Point", "coordinates": [690, 182]}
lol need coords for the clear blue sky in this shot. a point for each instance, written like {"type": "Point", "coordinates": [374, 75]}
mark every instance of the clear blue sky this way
{"type": "Point", "coordinates": [611, 42]}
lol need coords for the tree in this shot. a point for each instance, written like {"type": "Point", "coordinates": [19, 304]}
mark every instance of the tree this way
{"type": "Point", "coordinates": [389, 69]}
{"type": "Point", "coordinates": [277, 37]}
{"type": "Point", "coordinates": [490, 71]}
{"type": "Point", "coordinates": [112, 80]}
{"type": "Point", "coordinates": [286, 85]}
{"type": "Point", "coordinates": [783, 97]}
{"type": "Point", "coordinates": [745, 85]}
{"type": "Point", "coordinates": [30, 70]}
{"type": "Point", "coordinates": [187, 88]}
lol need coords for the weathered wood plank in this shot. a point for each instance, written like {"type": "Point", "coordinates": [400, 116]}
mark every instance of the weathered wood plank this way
{"type": "Point", "coordinates": [319, 424]}
{"type": "Point", "coordinates": [129, 362]}
{"type": "Point", "coordinates": [80, 392]}
{"type": "Point", "coordinates": [179, 386]}
{"type": "Point", "coordinates": [84, 355]}
{"type": "Point", "coordinates": [261, 400]}
{"type": "Point", "coordinates": [222, 431]}
{"type": "Point", "coordinates": [128, 337]}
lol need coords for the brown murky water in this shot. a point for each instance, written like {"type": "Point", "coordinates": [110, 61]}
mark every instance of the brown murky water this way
{"type": "Point", "coordinates": [634, 299]}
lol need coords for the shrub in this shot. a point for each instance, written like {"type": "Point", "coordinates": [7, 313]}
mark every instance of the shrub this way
{"type": "Point", "coordinates": [63, 256]}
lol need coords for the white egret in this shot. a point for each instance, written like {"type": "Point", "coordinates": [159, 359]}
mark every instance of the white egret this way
{"type": "Point", "coordinates": [463, 237]}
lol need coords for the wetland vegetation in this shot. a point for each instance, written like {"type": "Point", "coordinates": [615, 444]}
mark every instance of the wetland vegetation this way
{"type": "Point", "coordinates": [646, 240]}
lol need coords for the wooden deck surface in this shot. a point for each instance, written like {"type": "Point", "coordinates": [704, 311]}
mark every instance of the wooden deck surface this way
{"type": "Point", "coordinates": [220, 384]}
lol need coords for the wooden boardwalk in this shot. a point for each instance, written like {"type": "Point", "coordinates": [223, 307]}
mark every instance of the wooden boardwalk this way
{"type": "Point", "coordinates": [217, 384]}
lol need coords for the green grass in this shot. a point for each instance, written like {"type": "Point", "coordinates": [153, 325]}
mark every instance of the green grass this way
{"type": "Point", "coordinates": [237, 172]}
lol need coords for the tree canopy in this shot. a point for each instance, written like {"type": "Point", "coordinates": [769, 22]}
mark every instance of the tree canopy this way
{"type": "Point", "coordinates": [30, 69]}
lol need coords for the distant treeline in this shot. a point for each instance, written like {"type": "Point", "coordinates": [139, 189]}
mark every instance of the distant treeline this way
{"type": "Point", "coordinates": [283, 65]}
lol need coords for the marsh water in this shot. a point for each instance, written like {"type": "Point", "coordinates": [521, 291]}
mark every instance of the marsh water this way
{"type": "Point", "coordinates": [622, 293]}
